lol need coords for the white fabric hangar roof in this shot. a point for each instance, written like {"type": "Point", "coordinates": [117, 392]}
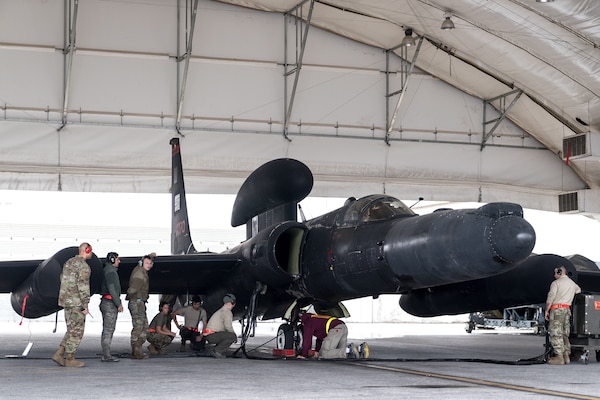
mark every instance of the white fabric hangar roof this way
{"type": "Point", "coordinates": [92, 92]}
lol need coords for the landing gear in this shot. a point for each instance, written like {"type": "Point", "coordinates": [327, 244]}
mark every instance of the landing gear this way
{"type": "Point", "coordinates": [285, 337]}
{"type": "Point", "coordinates": [289, 337]}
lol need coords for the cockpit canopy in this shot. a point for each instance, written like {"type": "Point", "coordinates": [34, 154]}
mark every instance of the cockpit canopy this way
{"type": "Point", "coordinates": [374, 208]}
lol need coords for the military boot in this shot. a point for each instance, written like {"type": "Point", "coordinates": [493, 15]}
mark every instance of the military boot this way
{"type": "Point", "coordinates": [556, 360]}
{"type": "Point", "coordinates": [107, 357]}
{"type": "Point", "coordinates": [72, 362]}
{"type": "Point", "coordinates": [59, 356]}
{"type": "Point", "coordinates": [153, 350]}
{"type": "Point", "coordinates": [136, 351]}
{"type": "Point", "coordinates": [567, 358]}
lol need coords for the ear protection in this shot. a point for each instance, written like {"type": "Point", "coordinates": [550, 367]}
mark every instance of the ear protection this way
{"type": "Point", "coordinates": [558, 271]}
{"type": "Point", "coordinates": [88, 249]}
{"type": "Point", "coordinates": [112, 257]}
{"type": "Point", "coordinates": [147, 256]}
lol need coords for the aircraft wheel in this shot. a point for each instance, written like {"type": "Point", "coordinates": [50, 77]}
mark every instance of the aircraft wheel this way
{"type": "Point", "coordinates": [298, 337]}
{"type": "Point", "coordinates": [470, 327]}
{"type": "Point", "coordinates": [285, 337]}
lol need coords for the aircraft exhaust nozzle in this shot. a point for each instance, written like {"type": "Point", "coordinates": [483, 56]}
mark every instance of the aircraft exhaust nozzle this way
{"type": "Point", "coordinates": [458, 245]}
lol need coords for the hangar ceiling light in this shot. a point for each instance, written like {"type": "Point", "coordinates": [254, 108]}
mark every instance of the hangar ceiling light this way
{"type": "Point", "coordinates": [408, 40]}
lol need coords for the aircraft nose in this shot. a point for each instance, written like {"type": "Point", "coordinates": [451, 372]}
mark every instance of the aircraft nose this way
{"type": "Point", "coordinates": [458, 245]}
{"type": "Point", "coordinates": [512, 238]}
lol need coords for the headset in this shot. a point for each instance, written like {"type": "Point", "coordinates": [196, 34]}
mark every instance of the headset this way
{"type": "Point", "coordinates": [162, 303]}
{"type": "Point", "coordinates": [88, 249]}
{"type": "Point", "coordinates": [112, 257]}
{"type": "Point", "coordinates": [148, 256]}
{"type": "Point", "coordinates": [229, 298]}
{"type": "Point", "coordinates": [558, 271]}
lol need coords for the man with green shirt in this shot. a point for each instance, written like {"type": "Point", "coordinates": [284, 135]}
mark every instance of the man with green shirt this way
{"type": "Point", "coordinates": [110, 304]}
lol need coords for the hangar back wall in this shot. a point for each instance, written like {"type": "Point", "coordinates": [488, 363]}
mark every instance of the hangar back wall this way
{"type": "Point", "coordinates": [123, 91]}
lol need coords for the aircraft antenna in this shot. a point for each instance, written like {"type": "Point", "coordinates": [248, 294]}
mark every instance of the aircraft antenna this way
{"type": "Point", "coordinates": [301, 213]}
{"type": "Point", "coordinates": [418, 201]}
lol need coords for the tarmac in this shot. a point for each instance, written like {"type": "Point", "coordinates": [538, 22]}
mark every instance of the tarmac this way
{"type": "Point", "coordinates": [414, 361]}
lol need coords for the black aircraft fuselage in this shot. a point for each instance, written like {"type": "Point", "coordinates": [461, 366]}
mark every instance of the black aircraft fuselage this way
{"type": "Point", "coordinates": [370, 246]}
{"type": "Point", "coordinates": [377, 245]}
{"type": "Point", "coordinates": [446, 262]}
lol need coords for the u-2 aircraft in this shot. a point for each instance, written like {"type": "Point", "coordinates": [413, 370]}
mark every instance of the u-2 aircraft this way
{"type": "Point", "coordinates": [446, 262]}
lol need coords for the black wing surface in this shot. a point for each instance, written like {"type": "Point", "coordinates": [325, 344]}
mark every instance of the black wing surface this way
{"type": "Point", "coordinates": [187, 273]}
{"type": "Point", "coordinates": [12, 273]}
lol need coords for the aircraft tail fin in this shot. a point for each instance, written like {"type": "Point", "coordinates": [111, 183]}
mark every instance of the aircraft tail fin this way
{"type": "Point", "coordinates": [181, 240]}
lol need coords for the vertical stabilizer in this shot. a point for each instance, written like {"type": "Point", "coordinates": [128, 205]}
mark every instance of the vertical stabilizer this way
{"type": "Point", "coordinates": [181, 240]}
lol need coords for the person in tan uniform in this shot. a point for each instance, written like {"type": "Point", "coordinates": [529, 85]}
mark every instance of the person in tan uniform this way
{"type": "Point", "coordinates": [194, 322]}
{"type": "Point", "coordinates": [219, 329]}
{"type": "Point", "coordinates": [558, 312]}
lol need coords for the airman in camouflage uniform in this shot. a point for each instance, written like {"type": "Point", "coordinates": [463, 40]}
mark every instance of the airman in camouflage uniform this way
{"type": "Point", "coordinates": [110, 305]}
{"type": "Point", "coordinates": [159, 331]}
{"type": "Point", "coordinates": [558, 312]}
{"type": "Point", "coordinates": [137, 294]}
{"type": "Point", "coordinates": [74, 296]}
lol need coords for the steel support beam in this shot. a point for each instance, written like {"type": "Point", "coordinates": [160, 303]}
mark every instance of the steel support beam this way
{"type": "Point", "coordinates": [503, 112]}
{"type": "Point", "coordinates": [406, 69]}
{"type": "Point", "coordinates": [296, 13]}
{"type": "Point", "coordinates": [189, 38]}
{"type": "Point", "coordinates": [69, 46]}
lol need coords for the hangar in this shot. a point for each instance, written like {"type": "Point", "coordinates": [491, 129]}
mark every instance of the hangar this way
{"type": "Point", "coordinates": [454, 100]}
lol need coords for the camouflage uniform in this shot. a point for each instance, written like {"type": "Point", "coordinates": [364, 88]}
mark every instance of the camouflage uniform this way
{"type": "Point", "coordinates": [137, 294]}
{"type": "Point", "coordinates": [559, 329]}
{"type": "Point", "coordinates": [74, 297]}
{"type": "Point", "coordinates": [159, 340]}
{"type": "Point", "coordinates": [109, 307]}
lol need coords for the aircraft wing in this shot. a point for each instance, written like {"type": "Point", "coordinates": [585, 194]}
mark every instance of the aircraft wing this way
{"type": "Point", "coordinates": [179, 274]}
{"type": "Point", "coordinates": [528, 283]}
{"type": "Point", "coordinates": [589, 281]}
{"type": "Point", "coordinates": [12, 273]}
{"type": "Point", "coordinates": [35, 284]}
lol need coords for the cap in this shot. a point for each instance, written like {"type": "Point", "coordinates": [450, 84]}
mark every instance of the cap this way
{"type": "Point", "coordinates": [229, 298]}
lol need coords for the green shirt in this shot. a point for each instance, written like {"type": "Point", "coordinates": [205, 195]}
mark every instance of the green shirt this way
{"type": "Point", "coordinates": [160, 319]}
{"type": "Point", "coordinates": [139, 284]}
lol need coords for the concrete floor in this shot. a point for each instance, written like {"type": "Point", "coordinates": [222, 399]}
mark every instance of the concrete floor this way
{"type": "Point", "coordinates": [416, 362]}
